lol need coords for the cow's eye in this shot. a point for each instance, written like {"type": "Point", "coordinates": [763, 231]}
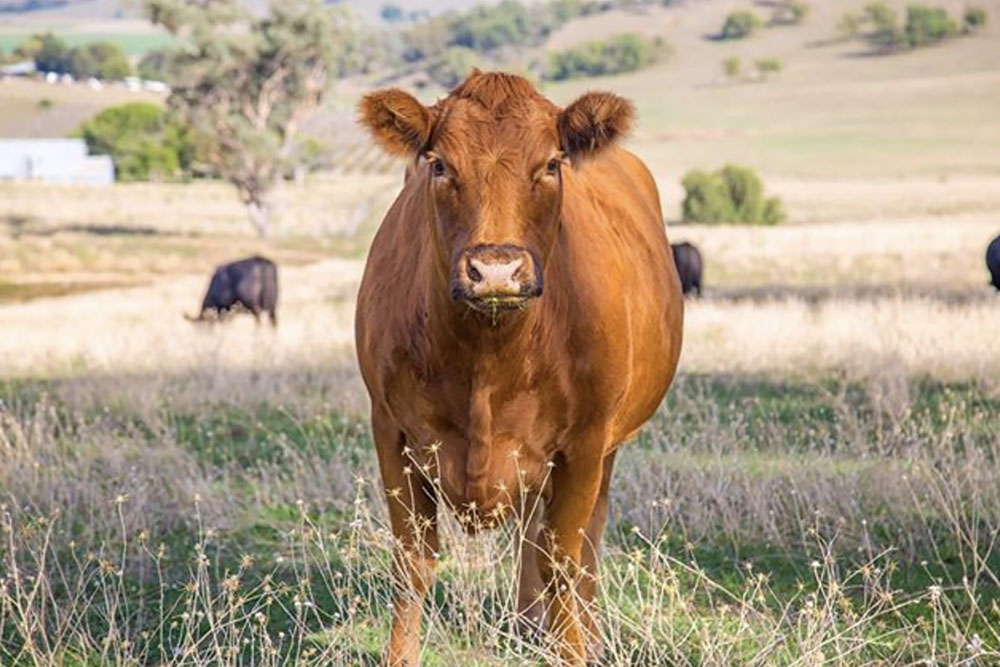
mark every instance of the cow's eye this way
{"type": "Point", "coordinates": [553, 166]}
{"type": "Point", "coordinates": [437, 168]}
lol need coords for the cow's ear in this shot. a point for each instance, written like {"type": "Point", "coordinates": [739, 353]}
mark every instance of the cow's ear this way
{"type": "Point", "coordinates": [594, 122]}
{"type": "Point", "coordinates": [400, 124]}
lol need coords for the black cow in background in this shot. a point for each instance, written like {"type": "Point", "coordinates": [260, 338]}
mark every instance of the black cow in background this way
{"type": "Point", "coordinates": [689, 266]}
{"type": "Point", "coordinates": [251, 283]}
{"type": "Point", "coordinates": [993, 261]}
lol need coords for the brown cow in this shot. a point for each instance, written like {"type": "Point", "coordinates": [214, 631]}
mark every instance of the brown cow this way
{"type": "Point", "coordinates": [518, 320]}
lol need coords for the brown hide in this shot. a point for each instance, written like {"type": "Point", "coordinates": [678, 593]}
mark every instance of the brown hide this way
{"type": "Point", "coordinates": [496, 399]}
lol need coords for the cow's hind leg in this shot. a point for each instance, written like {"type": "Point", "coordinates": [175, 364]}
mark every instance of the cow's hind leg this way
{"type": "Point", "coordinates": [413, 516]}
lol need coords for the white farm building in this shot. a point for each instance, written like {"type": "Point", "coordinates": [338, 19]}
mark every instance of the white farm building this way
{"type": "Point", "coordinates": [53, 161]}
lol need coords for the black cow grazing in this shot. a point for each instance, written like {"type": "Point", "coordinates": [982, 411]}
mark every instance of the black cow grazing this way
{"type": "Point", "coordinates": [993, 261]}
{"type": "Point", "coordinates": [251, 283]}
{"type": "Point", "coordinates": [688, 260]}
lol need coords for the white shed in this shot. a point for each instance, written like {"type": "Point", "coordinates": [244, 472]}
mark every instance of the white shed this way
{"type": "Point", "coordinates": [53, 161]}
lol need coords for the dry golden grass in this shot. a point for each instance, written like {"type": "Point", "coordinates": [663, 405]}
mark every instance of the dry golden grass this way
{"type": "Point", "coordinates": [141, 330]}
{"type": "Point", "coordinates": [939, 252]}
{"type": "Point", "coordinates": [789, 337]}
{"type": "Point", "coordinates": [326, 206]}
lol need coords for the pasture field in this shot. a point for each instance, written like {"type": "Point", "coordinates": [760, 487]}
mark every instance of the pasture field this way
{"type": "Point", "coordinates": [820, 487]}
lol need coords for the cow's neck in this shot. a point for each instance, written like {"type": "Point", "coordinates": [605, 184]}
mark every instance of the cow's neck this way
{"type": "Point", "coordinates": [460, 335]}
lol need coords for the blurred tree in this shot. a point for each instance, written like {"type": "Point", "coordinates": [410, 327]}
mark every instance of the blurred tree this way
{"type": "Point", "coordinates": [928, 25]}
{"type": "Point", "coordinates": [29, 48]}
{"type": "Point", "coordinates": [732, 194]}
{"type": "Point", "coordinates": [974, 18]}
{"type": "Point", "coordinates": [246, 83]}
{"type": "Point", "coordinates": [52, 54]}
{"type": "Point", "coordinates": [621, 53]}
{"type": "Point", "coordinates": [103, 60]}
{"type": "Point", "coordinates": [740, 24]}
{"type": "Point", "coordinates": [142, 141]}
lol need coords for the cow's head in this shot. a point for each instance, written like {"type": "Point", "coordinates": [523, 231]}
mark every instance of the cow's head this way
{"type": "Point", "coordinates": [491, 155]}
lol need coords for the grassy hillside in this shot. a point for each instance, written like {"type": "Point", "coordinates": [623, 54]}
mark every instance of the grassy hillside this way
{"type": "Point", "coordinates": [832, 112]}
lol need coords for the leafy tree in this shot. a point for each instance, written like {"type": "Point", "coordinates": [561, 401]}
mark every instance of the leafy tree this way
{"type": "Point", "coordinates": [246, 83]}
{"type": "Point", "coordinates": [103, 60]}
{"type": "Point", "coordinates": [732, 194]}
{"type": "Point", "coordinates": [29, 48]}
{"type": "Point", "coordinates": [142, 142]}
{"type": "Point", "coordinates": [973, 19]}
{"type": "Point", "coordinates": [886, 34]}
{"type": "Point", "coordinates": [740, 24]}
{"type": "Point", "coordinates": [52, 55]}
{"type": "Point", "coordinates": [928, 25]}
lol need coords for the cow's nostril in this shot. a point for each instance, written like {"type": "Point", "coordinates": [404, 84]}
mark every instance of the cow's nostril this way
{"type": "Point", "coordinates": [474, 274]}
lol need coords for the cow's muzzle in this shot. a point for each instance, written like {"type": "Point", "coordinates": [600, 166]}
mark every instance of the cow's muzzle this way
{"type": "Point", "coordinates": [496, 277]}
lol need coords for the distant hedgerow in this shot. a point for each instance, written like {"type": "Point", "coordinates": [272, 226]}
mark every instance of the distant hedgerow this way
{"type": "Point", "coordinates": [622, 53]}
{"type": "Point", "coordinates": [880, 26]}
{"type": "Point", "coordinates": [732, 194]}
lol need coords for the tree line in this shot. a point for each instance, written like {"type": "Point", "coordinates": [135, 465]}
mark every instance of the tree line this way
{"type": "Point", "coordinates": [101, 60]}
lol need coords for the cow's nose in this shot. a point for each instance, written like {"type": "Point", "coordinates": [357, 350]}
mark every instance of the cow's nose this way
{"type": "Point", "coordinates": [492, 277]}
{"type": "Point", "coordinates": [500, 271]}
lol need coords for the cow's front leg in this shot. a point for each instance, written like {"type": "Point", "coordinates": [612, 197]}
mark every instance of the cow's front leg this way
{"type": "Point", "coordinates": [413, 516]}
{"type": "Point", "coordinates": [576, 486]}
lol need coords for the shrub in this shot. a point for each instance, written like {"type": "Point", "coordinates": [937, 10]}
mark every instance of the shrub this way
{"type": "Point", "coordinates": [732, 67]}
{"type": "Point", "coordinates": [768, 66]}
{"type": "Point", "coordinates": [928, 25]}
{"type": "Point", "coordinates": [886, 34]}
{"type": "Point", "coordinates": [622, 53]}
{"type": "Point", "coordinates": [973, 19]}
{"type": "Point", "coordinates": [732, 194]}
{"type": "Point", "coordinates": [143, 143]}
{"type": "Point", "coordinates": [740, 24]}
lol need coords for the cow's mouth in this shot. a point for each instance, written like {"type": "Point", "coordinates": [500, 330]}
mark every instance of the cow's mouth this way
{"type": "Point", "coordinates": [495, 305]}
